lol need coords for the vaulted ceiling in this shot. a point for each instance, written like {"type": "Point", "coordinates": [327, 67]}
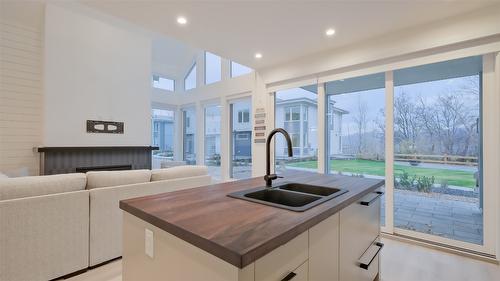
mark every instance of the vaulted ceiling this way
{"type": "Point", "coordinates": [280, 30]}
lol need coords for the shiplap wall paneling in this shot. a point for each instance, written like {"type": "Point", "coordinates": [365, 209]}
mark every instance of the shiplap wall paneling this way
{"type": "Point", "coordinates": [21, 99]}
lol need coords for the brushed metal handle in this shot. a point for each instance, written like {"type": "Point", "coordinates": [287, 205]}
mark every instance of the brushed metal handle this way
{"type": "Point", "coordinates": [365, 265]}
{"type": "Point", "coordinates": [378, 194]}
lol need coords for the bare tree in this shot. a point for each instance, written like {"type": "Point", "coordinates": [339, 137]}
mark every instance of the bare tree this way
{"type": "Point", "coordinates": [361, 121]}
{"type": "Point", "coordinates": [406, 123]}
{"type": "Point", "coordinates": [448, 123]}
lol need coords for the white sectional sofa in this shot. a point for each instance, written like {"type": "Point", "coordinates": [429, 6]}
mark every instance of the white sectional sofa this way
{"type": "Point", "coordinates": [51, 226]}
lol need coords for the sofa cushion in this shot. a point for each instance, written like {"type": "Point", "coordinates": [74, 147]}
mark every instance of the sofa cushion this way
{"type": "Point", "coordinates": [178, 172]}
{"type": "Point", "coordinates": [3, 176]}
{"type": "Point", "coordinates": [99, 179]}
{"type": "Point", "coordinates": [12, 188]}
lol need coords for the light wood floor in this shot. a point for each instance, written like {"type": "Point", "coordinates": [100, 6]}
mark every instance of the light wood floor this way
{"type": "Point", "coordinates": [400, 262]}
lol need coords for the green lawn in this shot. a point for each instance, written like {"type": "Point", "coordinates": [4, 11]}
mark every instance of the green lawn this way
{"type": "Point", "coordinates": [377, 168]}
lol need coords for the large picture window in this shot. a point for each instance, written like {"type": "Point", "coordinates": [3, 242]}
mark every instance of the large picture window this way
{"type": "Point", "coordinates": [212, 140]}
{"type": "Point", "coordinates": [189, 135]}
{"type": "Point", "coordinates": [162, 136]}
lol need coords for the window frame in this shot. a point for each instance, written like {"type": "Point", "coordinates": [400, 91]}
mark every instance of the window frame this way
{"type": "Point", "coordinates": [160, 76]}
{"type": "Point", "coordinates": [241, 116]}
{"type": "Point", "coordinates": [187, 75]}
{"type": "Point", "coordinates": [289, 111]}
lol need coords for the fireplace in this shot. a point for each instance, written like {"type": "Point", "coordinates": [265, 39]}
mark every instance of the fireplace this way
{"type": "Point", "coordinates": [63, 160]}
{"type": "Point", "coordinates": [104, 168]}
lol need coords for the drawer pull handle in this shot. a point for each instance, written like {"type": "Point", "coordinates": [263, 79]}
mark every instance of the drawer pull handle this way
{"type": "Point", "coordinates": [377, 196]}
{"type": "Point", "coordinates": [365, 265]}
{"type": "Point", "coordinates": [289, 276]}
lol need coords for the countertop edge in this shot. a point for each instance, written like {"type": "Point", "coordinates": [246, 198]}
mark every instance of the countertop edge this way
{"type": "Point", "coordinates": [187, 236]}
{"type": "Point", "coordinates": [234, 258]}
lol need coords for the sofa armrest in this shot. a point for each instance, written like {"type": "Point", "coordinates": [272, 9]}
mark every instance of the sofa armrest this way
{"type": "Point", "coordinates": [44, 237]}
{"type": "Point", "coordinates": [106, 215]}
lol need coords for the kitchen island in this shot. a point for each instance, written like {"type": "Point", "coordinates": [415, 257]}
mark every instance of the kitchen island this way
{"type": "Point", "coordinates": [202, 234]}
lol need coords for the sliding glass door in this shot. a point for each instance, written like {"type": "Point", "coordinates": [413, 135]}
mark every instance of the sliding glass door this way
{"type": "Point", "coordinates": [437, 150]}
{"type": "Point", "coordinates": [355, 127]}
{"type": "Point", "coordinates": [420, 128]}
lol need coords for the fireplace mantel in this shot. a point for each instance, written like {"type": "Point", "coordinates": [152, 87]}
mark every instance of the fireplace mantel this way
{"type": "Point", "coordinates": [65, 159]}
{"type": "Point", "coordinates": [93, 148]}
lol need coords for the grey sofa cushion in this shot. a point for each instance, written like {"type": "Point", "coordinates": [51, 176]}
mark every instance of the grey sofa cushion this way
{"type": "Point", "coordinates": [178, 172]}
{"type": "Point", "coordinates": [12, 188]}
{"type": "Point", "coordinates": [100, 179]}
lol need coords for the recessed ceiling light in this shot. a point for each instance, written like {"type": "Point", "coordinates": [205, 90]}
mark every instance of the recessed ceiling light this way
{"type": "Point", "coordinates": [330, 32]}
{"type": "Point", "coordinates": [181, 20]}
{"type": "Point", "coordinates": [258, 55]}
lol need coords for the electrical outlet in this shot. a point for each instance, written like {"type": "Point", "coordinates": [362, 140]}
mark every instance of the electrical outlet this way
{"type": "Point", "coordinates": [149, 243]}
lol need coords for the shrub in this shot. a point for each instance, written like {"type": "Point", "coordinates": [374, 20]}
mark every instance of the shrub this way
{"type": "Point", "coordinates": [405, 181]}
{"type": "Point", "coordinates": [424, 184]}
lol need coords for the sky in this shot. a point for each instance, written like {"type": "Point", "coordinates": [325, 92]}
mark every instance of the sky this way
{"type": "Point", "coordinates": [375, 99]}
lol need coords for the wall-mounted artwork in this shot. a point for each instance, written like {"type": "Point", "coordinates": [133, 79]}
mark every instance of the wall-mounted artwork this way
{"type": "Point", "coordinates": [260, 125]}
{"type": "Point", "coordinates": [104, 127]}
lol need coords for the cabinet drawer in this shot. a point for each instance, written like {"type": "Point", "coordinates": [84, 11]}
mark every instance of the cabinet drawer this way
{"type": "Point", "coordinates": [298, 274]}
{"type": "Point", "coordinates": [282, 261]}
{"type": "Point", "coordinates": [360, 223]}
{"type": "Point", "coordinates": [359, 228]}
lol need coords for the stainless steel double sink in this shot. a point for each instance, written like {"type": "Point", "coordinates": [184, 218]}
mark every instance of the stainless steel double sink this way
{"type": "Point", "coordinates": [296, 197]}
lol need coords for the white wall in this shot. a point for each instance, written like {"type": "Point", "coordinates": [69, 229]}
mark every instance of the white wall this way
{"type": "Point", "coordinates": [21, 91]}
{"type": "Point", "coordinates": [94, 70]}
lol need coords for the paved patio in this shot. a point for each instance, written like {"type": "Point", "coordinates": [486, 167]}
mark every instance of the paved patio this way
{"type": "Point", "coordinates": [441, 215]}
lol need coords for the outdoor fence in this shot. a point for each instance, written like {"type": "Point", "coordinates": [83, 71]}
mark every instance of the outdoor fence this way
{"type": "Point", "coordinates": [438, 159]}
{"type": "Point", "coordinates": [416, 158]}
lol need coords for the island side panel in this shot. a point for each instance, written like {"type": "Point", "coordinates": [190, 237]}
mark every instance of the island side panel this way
{"type": "Point", "coordinates": [173, 259]}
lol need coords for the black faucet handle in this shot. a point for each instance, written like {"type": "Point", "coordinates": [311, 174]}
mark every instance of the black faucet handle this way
{"type": "Point", "coordinates": [271, 177]}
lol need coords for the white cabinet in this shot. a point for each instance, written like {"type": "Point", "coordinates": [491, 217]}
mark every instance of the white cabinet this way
{"type": "Point", "coordinates": [284, 260]}
{"type": "Point", "coordinates": [324, 250]}
{"type": "Point", "coordinates": [332, 250]}
{"type": "Point", "coordinates": [300, 273]}
{"type": "Point", "coordinates": [359, 231]}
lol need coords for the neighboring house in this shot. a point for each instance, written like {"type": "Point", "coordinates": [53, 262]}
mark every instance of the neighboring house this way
{"type": "Point", "coordinates": [212, 131]}
{"type": "Point", "coordinates": [242, 131]}
{"type": "Point", "coordinates": [299, 118]}
{"type": "Point", "coordinates": [163, 131]}
{"type": "Point", "coordinates": [335, 132]}
{"type": "Point", "coordinates": [189, 132]}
